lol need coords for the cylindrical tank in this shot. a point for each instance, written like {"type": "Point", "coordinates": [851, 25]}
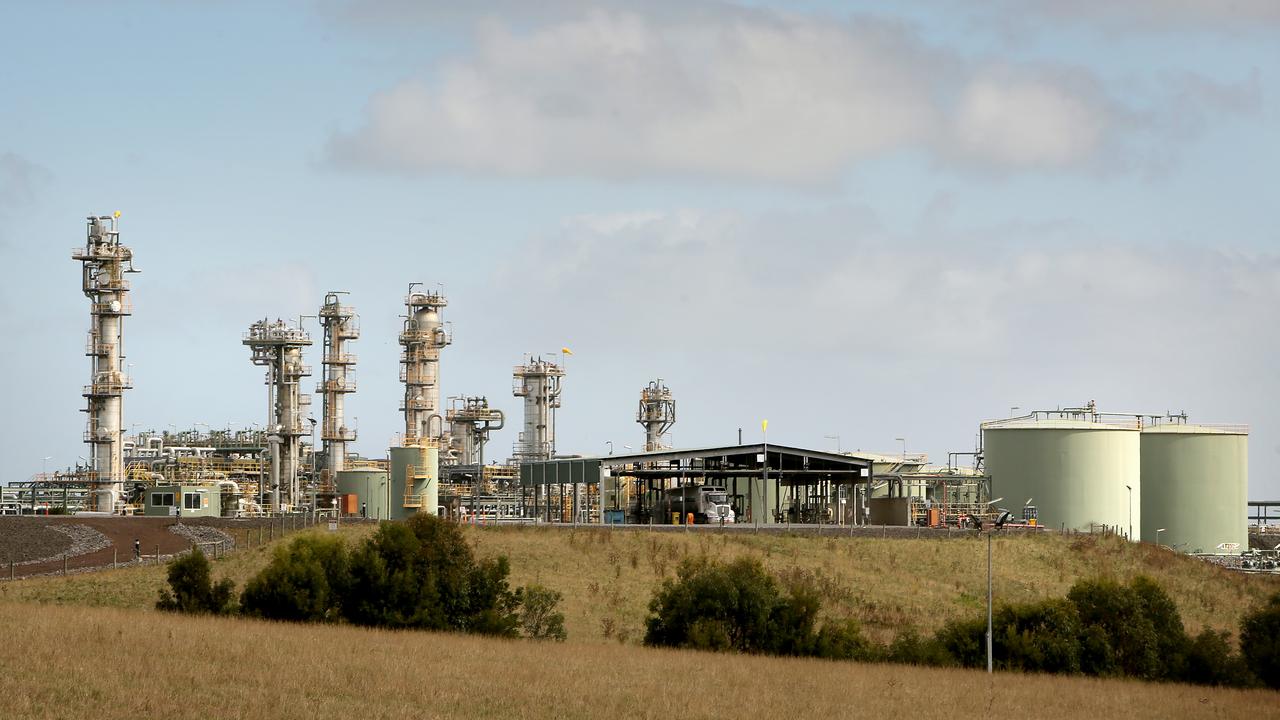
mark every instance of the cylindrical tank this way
{"type": "Point", "coordinates": [419, 492]}
{"type": "Point", "coordinates": [372, 488]}
{"type": "Point", "coordinates": [1195, 481]}
{"type": "Point", "coordinates": [1075, 471]}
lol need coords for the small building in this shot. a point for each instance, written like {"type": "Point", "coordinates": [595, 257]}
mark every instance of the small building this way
{"type": "Point", "coordinates": [183, 501]}
{"type": "Point", "coordinates": [757, 482]}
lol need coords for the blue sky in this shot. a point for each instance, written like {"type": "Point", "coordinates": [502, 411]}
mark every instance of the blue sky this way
{"type": "Point", "coordinates": [849, 218]}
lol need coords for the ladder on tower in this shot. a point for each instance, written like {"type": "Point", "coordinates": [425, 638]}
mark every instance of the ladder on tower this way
{"type": "Point", "coordinates": [411, 499]}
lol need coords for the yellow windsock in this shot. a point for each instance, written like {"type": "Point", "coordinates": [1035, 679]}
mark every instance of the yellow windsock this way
{"type": "Point", "coordinates": [764, 426]}
{"type": "Point", "coordinates": [116, 214]}
{"type": "Point", "coordinates": [566, 351]}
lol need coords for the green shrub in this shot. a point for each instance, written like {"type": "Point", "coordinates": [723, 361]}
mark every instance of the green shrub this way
{"type": "Point", "coordinates": [1260, 642]}
{"type": "Point", "coordinates": [965, 641]}
{"type": "Point", "coordinates": [1171, 640]}
{"type": "Point", "coordinates": [739, 606]}
{"type": "Point", "coordinates": [304, 582]}
{"type": "Point", "coordinates": [422, 574]}
{"type": "Point", "coordinates": [538, 615]}
{"type": "Point", "coordinates": [843, 640]}
{"type": "Point", "coordinates": [1209, 661]}
{"type": "Point", "coordinates": [714, 606]}
{"type": "Point", "coordinates": [191, 589]}
{"type": "Point", "coordinates": [1037, 637]}
{"type": "Point", "coordinates": [1122, 638]}
{"type": "Point", "coordinates": [908, 648]}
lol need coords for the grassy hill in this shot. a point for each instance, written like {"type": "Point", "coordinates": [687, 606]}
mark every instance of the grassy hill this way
{"type": "Point", "coordinates": [66, 662]}
{"type": "Point", "coordinates": [608, 576]}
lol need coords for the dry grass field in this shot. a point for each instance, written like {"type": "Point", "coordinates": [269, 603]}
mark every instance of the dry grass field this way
{"type": "Point", "coordinates": [70, 662]}
{"type": "Point", "coordinates": [608, 576]}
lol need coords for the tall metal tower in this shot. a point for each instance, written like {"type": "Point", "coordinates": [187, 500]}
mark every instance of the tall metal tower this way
{"type": "Point", "coordinates": [423, 336]}
{"type": "Point", "coordinates": [657, 413]}
{"type": "Point", "coordinates": [538, 382]}
{"type": "Point", "coordinates": [104, 262]}
{"type": "Point", "coordinates": [278, 347]}
{"type": "Point", "coordinates": [340, 324]}
{"type": "Point", "coordinates": [470, 420]}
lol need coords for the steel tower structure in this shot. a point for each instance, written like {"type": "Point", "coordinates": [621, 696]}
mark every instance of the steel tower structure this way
{"type": "Point", "coordinates": [538, 382]}
{"type": "Point", "coordinates": [278, 347]}
{"type": "Point", "coordinates": [423, 336]}
{"type": "Point", "coordinates": [340, 324]}
{"type": "Point", "coordinates": [104, 261]}
{"type": "Point", "coordinates": [657, 413]}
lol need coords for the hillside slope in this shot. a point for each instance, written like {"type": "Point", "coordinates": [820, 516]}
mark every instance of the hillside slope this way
{"type": "Point", "coordinates": [63, 662]}
{"type": "Point", "coordinates": [608, 576]}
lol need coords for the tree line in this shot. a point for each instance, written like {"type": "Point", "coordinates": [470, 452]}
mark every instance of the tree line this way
{"type": "Point", "coordinates": [1101, 628]}
{"type": "Point", "coordinates": [420, 574]}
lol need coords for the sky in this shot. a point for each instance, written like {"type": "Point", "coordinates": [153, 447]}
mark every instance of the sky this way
{"type": "Point", "coordinates": [862, 221]}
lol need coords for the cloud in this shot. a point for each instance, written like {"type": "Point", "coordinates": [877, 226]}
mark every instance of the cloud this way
{"type": "Point", "coordinates": [727, 93]}
{"type": "Point", "coordinates": [1152, 15]}
{"type": "Point", "coordinates": [837, 282]}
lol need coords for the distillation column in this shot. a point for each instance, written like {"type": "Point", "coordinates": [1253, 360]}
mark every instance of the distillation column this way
{"type": "Point", "coordinates": [657, 413]}
{"type": "Point", "coordinates": [278, 347]}
{"type": "Point", "coordinates": [423, 336]}
{"type": "Point", "coordinates": [538, 382]}
{"type": "Point", "coordinates": [104, 261]}
{"type": "Point", "coordinates": [341, 324]}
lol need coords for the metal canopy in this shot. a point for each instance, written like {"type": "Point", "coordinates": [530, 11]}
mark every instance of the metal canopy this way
{"type": "Point", "coordinates": [831, 462]}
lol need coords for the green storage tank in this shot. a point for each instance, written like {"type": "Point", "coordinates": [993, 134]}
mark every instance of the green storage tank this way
{"type": "Point", "coordinates": [413, 480]}
{"type": "Point", "coordinates": [1195, 481]}
{"type": "Point", "coordinates": [371, 486]}
{"type": "Point", "coordinates": [1075, 471]}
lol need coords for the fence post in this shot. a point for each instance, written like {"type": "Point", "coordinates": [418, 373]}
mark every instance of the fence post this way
{"type": "Point", "coordinates": [10, 569]}
{"type": "Point", "coordinates": [115, 555]}
{"type": "Point", "coordinates": [64, 563]}
{"type": "Point", "coordinates": [157, 553]}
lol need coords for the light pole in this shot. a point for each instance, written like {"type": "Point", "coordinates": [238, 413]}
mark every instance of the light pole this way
{"type": "Point", "coordinates": [835, 437]}
{"type": "Point", "coordinates": [904, 448]}
{"type": "Point", "coordinates": [610, 444]}
{"type": "Point", "coordinates": [1158, 531]}
{"type": "Point", "coordinates": [989, 531]}
{"type": "Point", "coordinates": [44, 465]}
{"type": "Point", "coordinates": [1012, 409]}
{"type": "Point", "coordinates": [1130, 489]}
{"type": "Point", "coordinates": [989, 661]}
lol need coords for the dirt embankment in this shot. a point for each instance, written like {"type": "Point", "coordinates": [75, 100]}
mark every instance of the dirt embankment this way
{"type": "Point", "coordinates": [38, 545]}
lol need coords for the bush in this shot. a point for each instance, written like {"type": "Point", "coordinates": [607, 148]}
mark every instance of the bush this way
{"type": "Point", "coordinates": [538, 616]}
{"type": "Point", "coordinates": [843, 640]}
{"type": "Point", "coordinates": [422, 574]}
{"type": "Point", "coordinates": [965, 642]}
{"type": "Point", "coordinates": [1209, 661]}
{"type": "Point", "coordinates": [908, 648]}
{"type": "Point", "coordinates": [1037, 637]}
{"type": "Point", "coordinates": [714, 606]}
{"type": "Point", "coordinates": [305, 582]}
{"type": "Point", "coordinates": [1122, 639]}
{"type": "Point", "coordinates": [739, 606]}
{"type": "Point", "coordinates": [191, 589]}
{"type": "Point", "coordinates": [1260, 642]}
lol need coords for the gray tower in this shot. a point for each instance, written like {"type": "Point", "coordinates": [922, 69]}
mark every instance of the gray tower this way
{"type": "Point", "coordinates": [278, 347]}
{"type": "Point", "coordinates": [104, 262]}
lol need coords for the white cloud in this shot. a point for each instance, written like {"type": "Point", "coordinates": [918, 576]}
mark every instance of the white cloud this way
{"type": "Point", "coordinates": [755, 95]}
{"type": "Point", "coordinates": [1019, 121]}
{"type": "Point", "coordinates": [830, 282]}
{"type": "Point", "coordinates": [1192, 15]}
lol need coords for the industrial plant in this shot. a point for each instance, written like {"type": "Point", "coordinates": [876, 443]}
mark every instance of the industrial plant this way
{"type": "Point", "coordinates": [1155, 477]}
